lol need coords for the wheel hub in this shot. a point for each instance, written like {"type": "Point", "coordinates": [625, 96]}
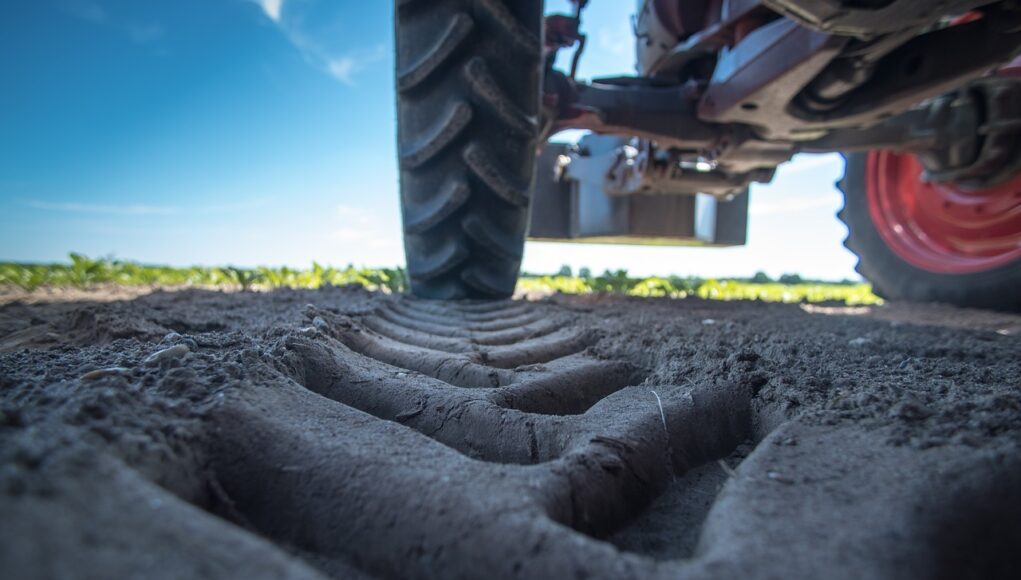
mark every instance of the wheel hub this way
{"type": "Point", "coordinates": [943, 227]}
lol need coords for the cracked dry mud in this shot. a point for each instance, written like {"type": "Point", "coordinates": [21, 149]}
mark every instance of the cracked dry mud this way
{"type": "Point", "coordinates": [308, 434]}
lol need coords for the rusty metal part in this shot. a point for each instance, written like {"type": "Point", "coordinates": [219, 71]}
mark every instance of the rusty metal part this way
{"type": "Point", "coordinates": [653, 38]}
{"type": "Point", "coordinates": [576, 59]}
{"type": "Point", "coordinates": [562, 31]}
{"type": "Point", "coordinates": [579, 6]}
{"type": "Point", "coordinates": [724, 22]}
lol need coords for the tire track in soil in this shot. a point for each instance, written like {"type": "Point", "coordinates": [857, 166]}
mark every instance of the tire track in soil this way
{"type": "Point", "coordinates": [402, 438]}
{"type": "Point", "coordinates": [580, 447]}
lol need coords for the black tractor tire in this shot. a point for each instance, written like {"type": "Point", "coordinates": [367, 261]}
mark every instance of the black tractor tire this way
{"type": "Point", "coordinates": [468, 102]}
{"type": "Point", "coordinates": [893, 278]}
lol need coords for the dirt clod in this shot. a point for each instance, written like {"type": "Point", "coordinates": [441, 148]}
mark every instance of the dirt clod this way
{"type": "Point", "coordinates": [166, 354]}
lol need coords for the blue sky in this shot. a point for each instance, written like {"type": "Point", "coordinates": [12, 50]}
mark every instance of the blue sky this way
{"type": "Point", "coordinates": [244, 132]}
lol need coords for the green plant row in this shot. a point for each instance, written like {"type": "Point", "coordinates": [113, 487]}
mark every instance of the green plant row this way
{"type": "Point", "coordinates": [84, 272]}
{"type": "Point", "coordinates": [654, 287]}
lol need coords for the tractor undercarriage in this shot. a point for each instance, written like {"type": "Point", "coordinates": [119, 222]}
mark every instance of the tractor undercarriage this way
{"type": "Point", "coordinates": [723, 106]}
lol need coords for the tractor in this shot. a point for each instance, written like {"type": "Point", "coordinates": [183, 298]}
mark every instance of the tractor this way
{"type": "Point", "coordinates": [922, 97]}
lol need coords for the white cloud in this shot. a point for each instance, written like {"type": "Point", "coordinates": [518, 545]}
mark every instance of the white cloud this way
{"type": "Point", "coordinates": [342, 68]}
{"type": "Point", "coordinates": [316, 46]}
{"type": "Point", "coordinates": [274, 9]}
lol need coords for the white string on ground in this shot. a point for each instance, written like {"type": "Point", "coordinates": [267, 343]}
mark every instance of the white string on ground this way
{"type": "Point", "coordinates": [666, 432]}
{"type": "Point", "coordinates": [726, 468]}
{"type": "Point", "coordinates": [662, 415]}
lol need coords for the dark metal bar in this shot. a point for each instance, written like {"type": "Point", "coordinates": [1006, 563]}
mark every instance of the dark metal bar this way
{"type": "Point", "coordinates": [627, 106]}
{"type": "Point", "coordinates": [925, 67]}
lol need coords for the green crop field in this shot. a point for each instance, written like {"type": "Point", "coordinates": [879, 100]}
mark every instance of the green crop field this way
{"type": "Point", "coordinates": [84, 272]}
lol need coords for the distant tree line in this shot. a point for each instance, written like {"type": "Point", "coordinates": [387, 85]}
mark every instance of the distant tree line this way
{"type": "Point", "coordinates": [760, 277]}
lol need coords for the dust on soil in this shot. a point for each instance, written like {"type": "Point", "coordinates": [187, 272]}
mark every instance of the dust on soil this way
{"type": "Point", "coordinates": [342, 433]}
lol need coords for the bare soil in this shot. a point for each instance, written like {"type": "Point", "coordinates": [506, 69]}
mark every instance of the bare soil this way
{"type": "Point", "coordinates": [339, 433]}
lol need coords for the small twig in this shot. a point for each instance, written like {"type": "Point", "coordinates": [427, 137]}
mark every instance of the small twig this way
{"type": "Point", "coordinates": [728, 469]}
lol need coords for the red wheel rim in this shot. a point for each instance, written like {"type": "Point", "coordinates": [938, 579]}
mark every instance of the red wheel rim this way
{"type": "Point", "coordinates": [940, 227]}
